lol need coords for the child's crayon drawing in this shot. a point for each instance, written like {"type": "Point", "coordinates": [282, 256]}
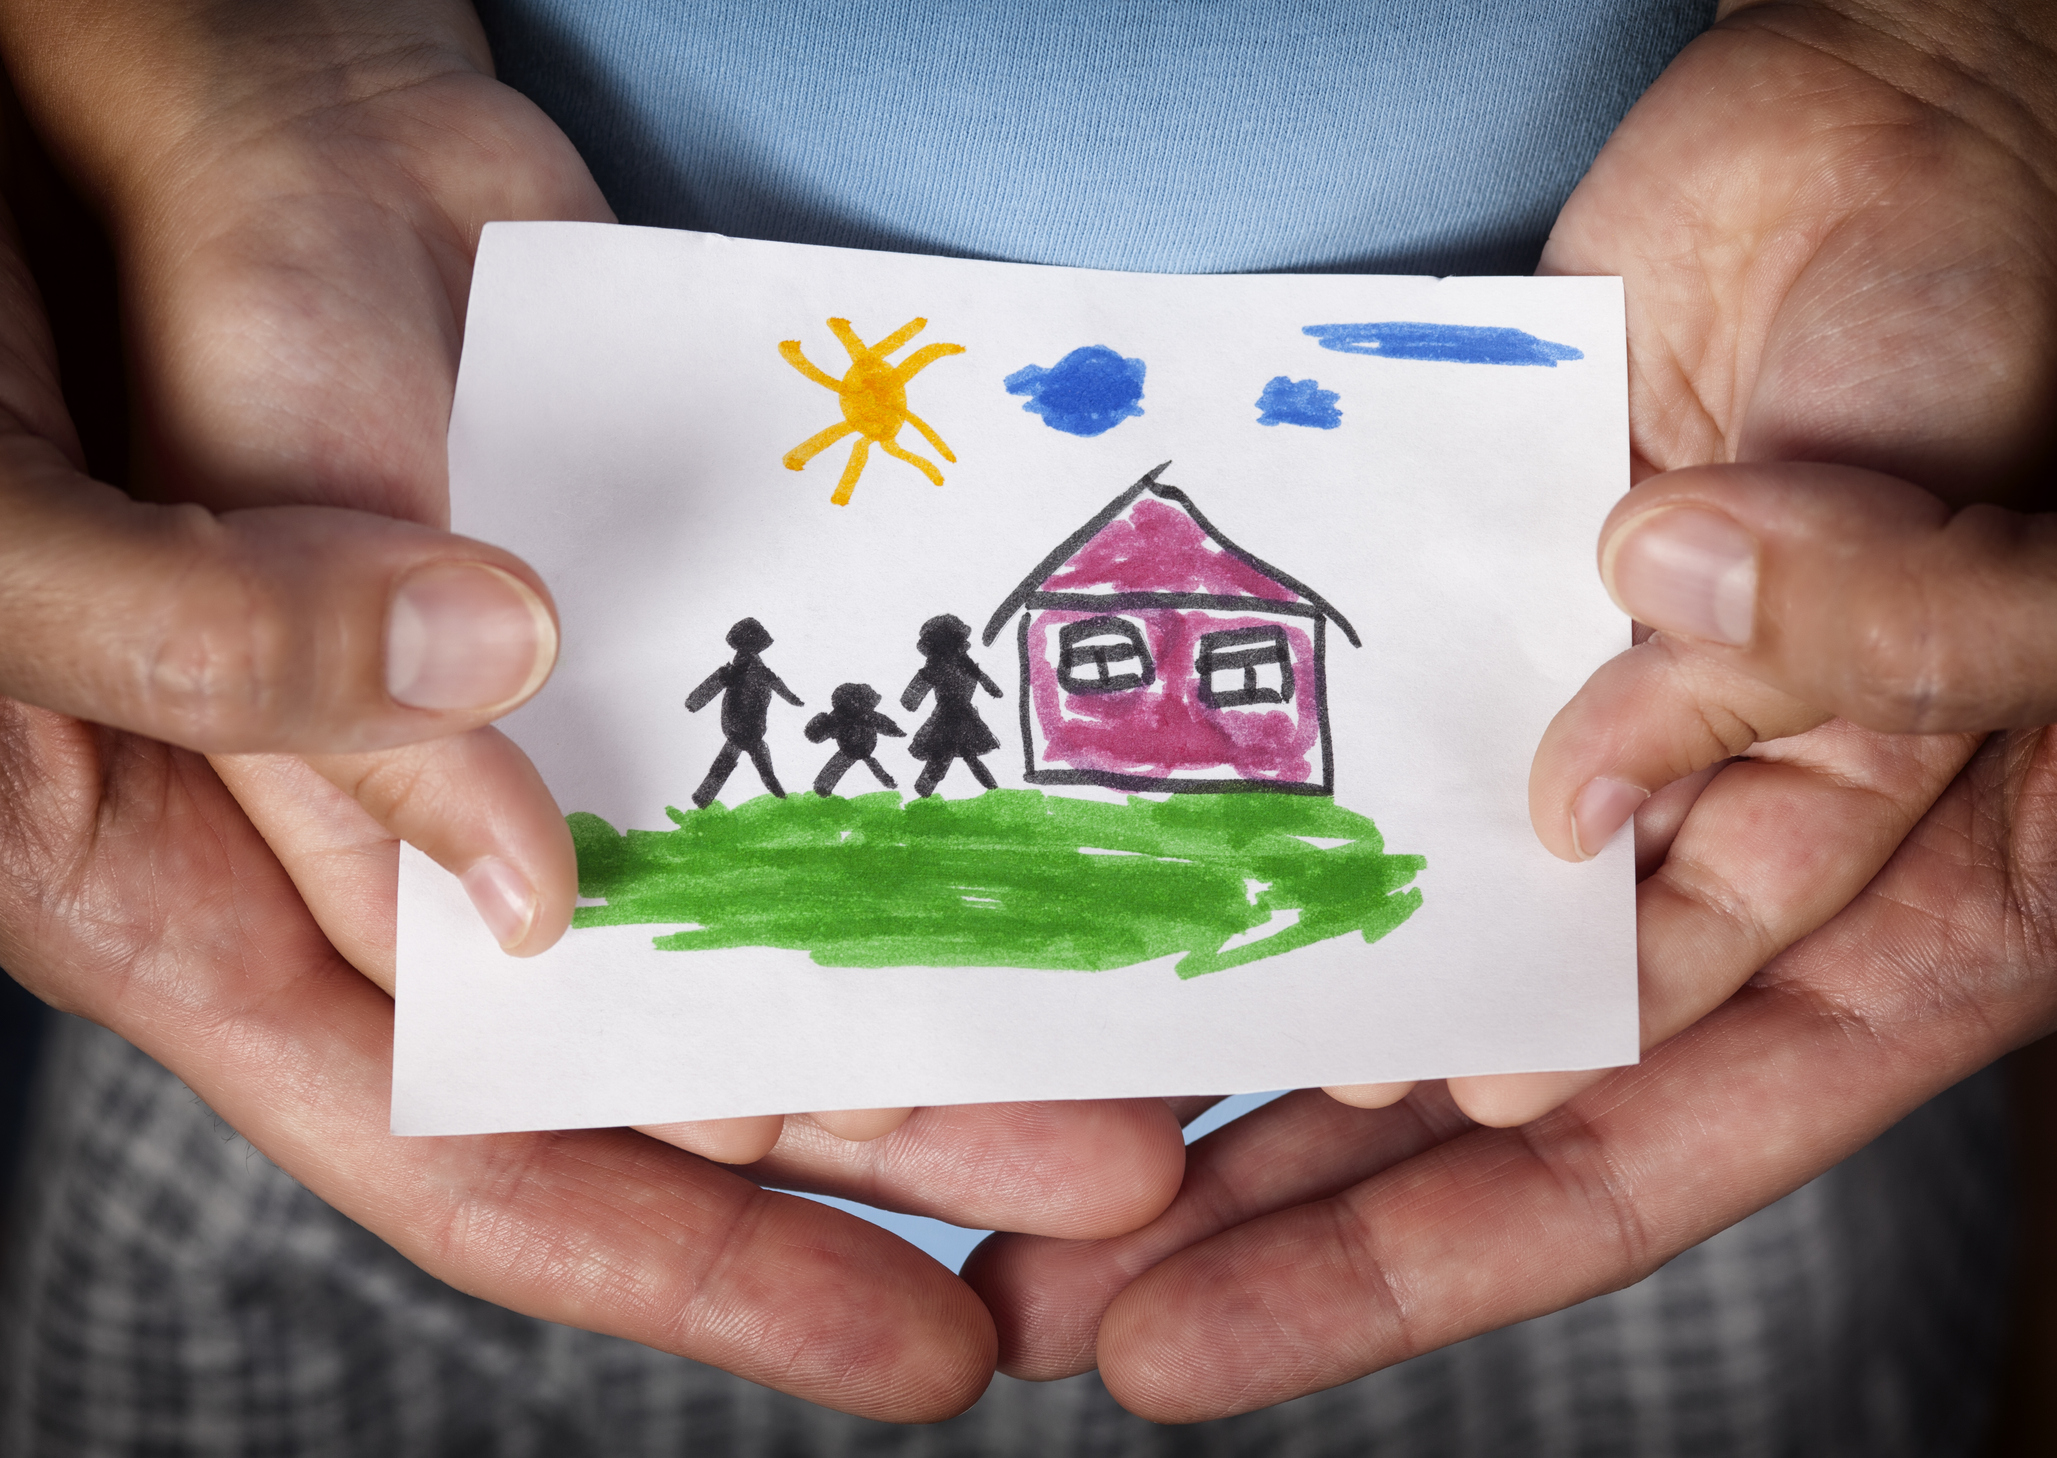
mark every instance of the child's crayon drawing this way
{"type": "Point", "coordinates": [1154, 654]}
{"type": "Point", "coordinates": [954, 731]}
{"type": "Point", "coordinates": [873, 394]}
{"type": "Point", "coordinates": [1087, 393]}
{"type": "Point", "coordinates": [1446, 343]}
{"type": "Point", "coordinates": [1287, 401]}
{"type": "Point", "coordinates": [855, 724]}
{"type": "Point", "coordinates": [745, 687]}
{"type": "Point", "coordinates": [1035, 756]}
{"type": "Point", "coordinates": [1010, 878]}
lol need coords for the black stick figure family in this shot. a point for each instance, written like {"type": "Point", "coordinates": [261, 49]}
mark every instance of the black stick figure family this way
{"type": "Point", "coordinates": [954, 730]}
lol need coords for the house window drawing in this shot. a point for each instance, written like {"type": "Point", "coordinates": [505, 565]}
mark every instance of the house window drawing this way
{"type": "Point", "coordinates": [1245, 666]}
{"type": "Point", "coordinates": [1103, 655]}
{"type": "Point", "coordinates": [1156, 654]}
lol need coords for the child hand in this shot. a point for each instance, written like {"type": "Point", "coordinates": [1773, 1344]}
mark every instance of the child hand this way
{"type": "Point", "coordinates": [1831, 625]}
{"type": "Point", "coordinates": [1832, 253]}
{"type": "Point", "coordinates": [1834, 233]}
{"type": "Point", "coordinates": [1783, 597]}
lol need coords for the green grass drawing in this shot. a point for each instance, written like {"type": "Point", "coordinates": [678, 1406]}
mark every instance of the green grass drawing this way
{"type": "Point", "coordinates": [1013, 878]}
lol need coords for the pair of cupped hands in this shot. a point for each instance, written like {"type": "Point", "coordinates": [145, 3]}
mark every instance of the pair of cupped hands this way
{"type": "Point", "coordinates": [227, 706]}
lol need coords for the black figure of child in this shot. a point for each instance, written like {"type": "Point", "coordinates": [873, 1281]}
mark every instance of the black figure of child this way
{"type": "Point", "coordinates": [854, 726]}
{"type": "Point", "coordinates": [954, 730]}
{"type": "Point", "coordinates": [746, 687]}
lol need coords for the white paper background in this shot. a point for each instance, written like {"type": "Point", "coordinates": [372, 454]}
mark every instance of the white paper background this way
{"type": "Point", "coordinates": [620, 415]}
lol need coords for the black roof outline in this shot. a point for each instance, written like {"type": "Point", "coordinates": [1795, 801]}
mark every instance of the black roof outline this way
{"type": "Point", "coordinates": [1033, 583]}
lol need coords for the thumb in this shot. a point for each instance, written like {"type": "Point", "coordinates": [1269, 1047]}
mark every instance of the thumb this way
{"type": "Point", "coordinates": [1855, 593]}
{"type": "Point", "coordinates": [301, 628]}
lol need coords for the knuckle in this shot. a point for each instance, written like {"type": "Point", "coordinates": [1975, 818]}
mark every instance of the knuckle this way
{"type": "Point", "coordinates": [397, 786]}
{"type": "Point", "coordinates": [1708, 725]}
{"type": "Point", "coordinates": [221, 669]}
{"type": "Point", "coordinates": [483, 1221]}
{"type": "Point", "coordinates": [1353, 1232]}
{"type": "Point", "coordinates": [1583, 1164]}
{"type": "Point", "coordinates": [1894, 684]}
{"type": "Point", "coordinates": [1722, 734]}
{"type": "Point", "coordinates": [1897, 670]}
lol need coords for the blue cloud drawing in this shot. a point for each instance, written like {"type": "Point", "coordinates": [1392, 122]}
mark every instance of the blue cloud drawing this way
{"type": "Point", "coordinates": [1450, 343]}
{"type": "Point", "coordinates": [1088, 392]}
{"type": "Point", "coordinates": [1287, 401]}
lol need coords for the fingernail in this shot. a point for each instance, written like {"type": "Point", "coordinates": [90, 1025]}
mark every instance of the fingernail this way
{"type": "Point", "coordinates": [1686, 570]}
{"type": "Point", "coordinates": [462, 635]}
{"type": "Point", "coordinates": [1369, 1095]}
{"type": "Point", "coordinates": [504, 899]}
{"type": "Point", "coordinates": [1602, 808]}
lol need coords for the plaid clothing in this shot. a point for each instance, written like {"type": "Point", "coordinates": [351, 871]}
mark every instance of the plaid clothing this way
{"type": "Point", "coordinates": [169, 1291]}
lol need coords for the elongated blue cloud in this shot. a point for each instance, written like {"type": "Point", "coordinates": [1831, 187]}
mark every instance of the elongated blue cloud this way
{"type": "Point", "coordinates": [1450, 343]}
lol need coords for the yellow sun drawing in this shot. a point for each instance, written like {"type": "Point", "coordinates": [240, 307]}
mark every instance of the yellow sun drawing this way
{"type": "Point", "coordinates": [873, 394]}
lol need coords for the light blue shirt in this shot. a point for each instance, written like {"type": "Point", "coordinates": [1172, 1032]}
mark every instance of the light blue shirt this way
{"type": "Point", "coordinates": [1178, 135]}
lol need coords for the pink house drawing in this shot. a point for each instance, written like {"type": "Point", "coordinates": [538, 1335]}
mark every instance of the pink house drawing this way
{"type": "Point", "coordinates": [1156, 654]}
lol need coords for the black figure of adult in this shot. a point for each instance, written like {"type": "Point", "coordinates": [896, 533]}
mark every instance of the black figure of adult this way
{"type": "Point", "coordinates": [954, 730]}
{"type": "Point", "coordinates": [855, 726]}
{"type": "Point", "coordinates": [746, 687]}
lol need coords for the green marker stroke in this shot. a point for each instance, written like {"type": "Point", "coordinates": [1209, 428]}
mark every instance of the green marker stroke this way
{"type": "Point", "coordinates": [1012, 878]}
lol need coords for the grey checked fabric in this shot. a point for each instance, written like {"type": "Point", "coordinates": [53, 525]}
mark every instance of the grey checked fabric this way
{"type": "Point", "coordinates": [170, 1292]}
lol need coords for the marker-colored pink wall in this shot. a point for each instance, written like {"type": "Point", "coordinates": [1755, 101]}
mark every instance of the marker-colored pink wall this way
{"type": "Point", "coordinates": [1164, 729]}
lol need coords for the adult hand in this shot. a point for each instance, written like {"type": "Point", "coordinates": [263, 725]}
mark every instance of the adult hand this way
{"type": "Point", "coordinates": [1835, 227]}
{"type": "Point", "coordinates": [296, 236]}
{"type": "Point", "coordinates": [1314, 1242]}
{"type": "Point", "coordinates": [296, 196]}
{"type": "Point", "coordinates": [294, 201]}
{"type": "Point", "coordinates": [134, 891]}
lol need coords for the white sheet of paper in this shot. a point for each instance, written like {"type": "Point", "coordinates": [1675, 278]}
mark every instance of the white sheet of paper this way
{"type": "Point", "coordinates": [621, 415]}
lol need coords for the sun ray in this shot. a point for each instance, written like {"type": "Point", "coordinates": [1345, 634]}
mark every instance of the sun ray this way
{"type": "Point", "coordinates": [921, 359]}
{"type": "Point", "coordinates": [873, 397]}
{"type": "Point", "coordinates": [927, 468]}
{"type": "Point", "coordinates": [930, 436]}
{"type": "Point", "coordinates": [851, 472]}
{"type": "Point", "coordinates": [857, 349]}
{"type": "Point", "coordinates": [790, 350]}
{"type": "Point", "coordinates": [797, 458]}
{"type": "Point", "coordinates": [899, 336]}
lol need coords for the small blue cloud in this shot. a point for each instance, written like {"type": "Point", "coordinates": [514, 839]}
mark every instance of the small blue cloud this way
{"type": "Point", "coordinates": [1450, 343]}
{"type": "Point", "coordinates": [1287, 401]}
{"type": "Point", "coordinates": [1088, 392]}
